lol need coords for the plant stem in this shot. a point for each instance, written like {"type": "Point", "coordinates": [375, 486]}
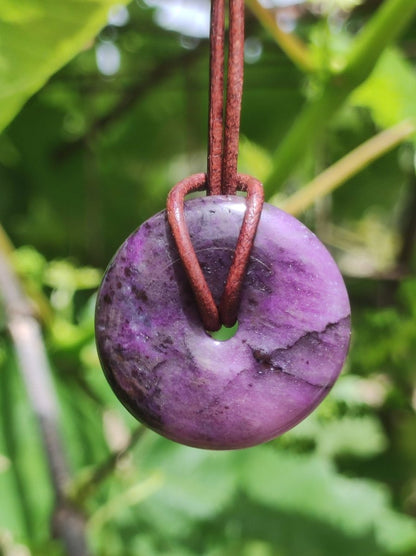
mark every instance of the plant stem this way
{"type": "Point", "coordinates": [291, 45]}
{"type": "Point", "coordinates": [127, 499]}
{"type": "Point", "coordinates": [386, 25]}
{"type": "Point", "coordinates": [306, 131]}
{"type": "Point", "coordinates": [348, 166]}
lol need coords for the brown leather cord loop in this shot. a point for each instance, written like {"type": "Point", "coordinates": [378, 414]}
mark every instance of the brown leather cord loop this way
{"type": "Point", "coordinates": [230, 299]}
{"type": "Point", "coordinates": [176, 217]}
{"type": "Point", "coordinates": [222, 176]}
{"type": "Point", "coordinates": [211, 316]}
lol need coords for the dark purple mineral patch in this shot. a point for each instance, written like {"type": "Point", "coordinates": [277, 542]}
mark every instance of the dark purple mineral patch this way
{"type": "Point", "coordinates": [291, 343]}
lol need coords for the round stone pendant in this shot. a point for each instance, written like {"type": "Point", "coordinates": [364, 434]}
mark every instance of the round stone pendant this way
{"type": "Point", "coordinates": [292, 338]}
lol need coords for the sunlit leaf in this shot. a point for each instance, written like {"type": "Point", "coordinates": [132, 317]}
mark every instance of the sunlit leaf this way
{"type": "Point", "coordinates": [358, 436]}
{"type": "Point", "coordinates": [389, 91]}
{"type": "Point", "coordinates": [254, 160]}
{"type": "Point", "coordinates": [37, 37]}
{"type": "Point", "coordinates": [64, 275]}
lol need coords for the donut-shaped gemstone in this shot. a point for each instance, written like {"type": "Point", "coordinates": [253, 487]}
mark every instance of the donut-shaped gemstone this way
{"type": "Point", "coordinates": [292, 338]}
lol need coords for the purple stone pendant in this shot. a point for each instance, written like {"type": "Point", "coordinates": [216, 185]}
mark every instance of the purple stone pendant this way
{"type": "Point", "coordinates": [292, 338]}
{"type": "Point", "coordinates": [293, 310]}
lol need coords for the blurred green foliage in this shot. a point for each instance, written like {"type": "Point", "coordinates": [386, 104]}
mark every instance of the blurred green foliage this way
{"type": "Point", "coordinates": [86, 161]}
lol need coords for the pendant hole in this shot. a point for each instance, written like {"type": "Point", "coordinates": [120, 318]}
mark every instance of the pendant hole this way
{"type": "Point", "coordinates": [224, 333]}
{"type": "Point", "coordinates": [195, 195]}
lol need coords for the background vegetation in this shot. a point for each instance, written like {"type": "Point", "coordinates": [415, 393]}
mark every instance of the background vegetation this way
{"type": "Point", "coordinates": [96, 130]}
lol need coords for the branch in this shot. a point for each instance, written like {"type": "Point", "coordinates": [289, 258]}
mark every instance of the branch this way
{"type": "Point", "coordinates": [348, 166]}
{"type": "Point", "coordinates": [25, 331]}
{"type": "Point", "coordinates": [132, 95]}
{"type": "Point", "coordinates": [291, 45]}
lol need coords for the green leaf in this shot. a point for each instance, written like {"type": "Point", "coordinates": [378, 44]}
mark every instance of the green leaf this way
{"type": "Point", "coordinates": [389, 91]}
{"type": "Point", "coordinates": [28, 262]}
{"type": "Point", "coordinates": [197, 484]}
{"type": "Point", "coordinates": [311, 486]}
{"type": "Point", "coordinates": [358, 436]}
{"type": "Point", "coordinates": [37, 37]}
{"type": "Point", "coordinates": [254, 160]}
{"type": "Point", "coordinates": [62, 275]}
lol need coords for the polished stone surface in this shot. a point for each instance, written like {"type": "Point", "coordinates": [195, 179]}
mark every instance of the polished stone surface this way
{"type": "Point", "coordinates": [291, 343]}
